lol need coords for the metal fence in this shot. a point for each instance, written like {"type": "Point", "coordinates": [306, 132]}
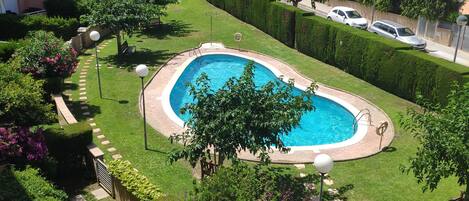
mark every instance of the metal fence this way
{"type": "Point", "coordinates": [103, 176]}
{"type": "Point", "coordinates": [443, 32]}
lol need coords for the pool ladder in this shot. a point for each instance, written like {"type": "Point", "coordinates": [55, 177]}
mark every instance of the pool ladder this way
{"type": "Point", "coordinates": [363, 113]}
{"type": "Point", "coordinates": [195, 52]}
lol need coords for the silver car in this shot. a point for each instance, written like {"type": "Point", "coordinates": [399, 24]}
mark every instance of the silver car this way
{"type": "Point", "coordinates": [398, 32]}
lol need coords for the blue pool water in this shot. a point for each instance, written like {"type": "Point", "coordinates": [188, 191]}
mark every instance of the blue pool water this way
{"type": "Point", "coordinates": [329, 123]}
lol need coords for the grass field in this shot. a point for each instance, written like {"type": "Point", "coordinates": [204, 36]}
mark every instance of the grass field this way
{"type": "Point", "coordinates": [187, 25]}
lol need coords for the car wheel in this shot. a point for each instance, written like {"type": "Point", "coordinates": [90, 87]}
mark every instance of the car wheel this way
{"type": "Point", "coordinates": [329, 18]}
{"type": "Point", "coordinates": [347, 24]}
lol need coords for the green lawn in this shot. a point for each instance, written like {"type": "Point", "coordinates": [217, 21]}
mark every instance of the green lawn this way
{"type": "Point", "coordinates": [187, 25]}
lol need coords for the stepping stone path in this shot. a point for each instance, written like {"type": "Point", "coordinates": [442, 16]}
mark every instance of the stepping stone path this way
{"type": "Point", "coordinates": [100, 194]}
{"type": "Point", "coordinates": [84, 110]}
{"type": "Point", "coordinates": [300, 166]}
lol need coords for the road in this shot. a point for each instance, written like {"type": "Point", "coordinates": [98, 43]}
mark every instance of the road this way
{"type": "Point", "coordinates": [433, 48]}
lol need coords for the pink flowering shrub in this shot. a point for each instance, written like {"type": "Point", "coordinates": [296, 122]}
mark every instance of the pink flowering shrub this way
{"type": "Point", "coordinates": [20, 142]}
{"type": "Point", "coordinates": [46, 56]}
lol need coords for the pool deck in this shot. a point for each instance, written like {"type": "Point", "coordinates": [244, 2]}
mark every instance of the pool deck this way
{"type": "Point", "coordinates": [368, 145]}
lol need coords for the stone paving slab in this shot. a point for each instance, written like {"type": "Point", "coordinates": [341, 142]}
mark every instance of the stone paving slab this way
{"type": "Point", "coordinates": [100, 194]}
{"type": "Point", "coordinates": [367, 146]}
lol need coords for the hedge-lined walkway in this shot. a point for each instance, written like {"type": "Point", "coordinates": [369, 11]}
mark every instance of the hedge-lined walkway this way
{"type": "Point", "coordinates": [90, 62]}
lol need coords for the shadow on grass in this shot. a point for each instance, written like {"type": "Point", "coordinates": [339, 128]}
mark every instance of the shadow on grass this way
{"type": "Point", "coordinates": [157, 151]}
{"type": "Point", "coordinates": [78, 113]}
{"type": "Point", "coordinates": [115, 100]}
{"type": "Point", "coordinates": [141, 56]}
{"type": "Point", "coordinates": [175, 28]}
{"type": "Point", "coordinates": [70, 86]}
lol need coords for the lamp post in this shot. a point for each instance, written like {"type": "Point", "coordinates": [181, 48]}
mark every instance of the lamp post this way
{"type": "Point", "coordinates": [461, 21]}
{"type": "Point", "coordinates": [142, 71]}
{"type": "Point", "coordinates": [323, 164]}
{"type": "Point", "coordinates": [94, 36]}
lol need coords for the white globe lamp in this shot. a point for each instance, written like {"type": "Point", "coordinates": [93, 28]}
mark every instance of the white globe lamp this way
{"type": "Point", "coordinates": [142, 70]}
{"type": "Point", "coordinates": [323, 163]}
{"type": "Point", "coordinates": [94, 36]}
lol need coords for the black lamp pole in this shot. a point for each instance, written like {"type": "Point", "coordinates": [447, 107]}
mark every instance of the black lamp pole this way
{"type": "Point", "coordinates": [97, 70]}
{"type": "Point", "coordinates": [144, 115]}
{"type": "Point", "coordinates": [322, 182]}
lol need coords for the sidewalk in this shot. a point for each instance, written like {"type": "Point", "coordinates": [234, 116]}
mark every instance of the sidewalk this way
{"type": "Point", "coordinates": [433, 48]}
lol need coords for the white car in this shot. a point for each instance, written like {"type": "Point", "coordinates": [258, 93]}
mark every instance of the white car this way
{"type": "Point", "coordinates": [398, 32]}
{"type": "Point", "coordinates": [348, 16]}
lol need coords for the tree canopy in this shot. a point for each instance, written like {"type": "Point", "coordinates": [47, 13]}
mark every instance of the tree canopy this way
{"type": "Point", "coordinates": [444, 135]}
{"type": "Point", "coordinates": [124, 15]}
{"type": "Point", "coordinates": [430, 9]}
{"type": "Point", "coordinates": [240, 116]}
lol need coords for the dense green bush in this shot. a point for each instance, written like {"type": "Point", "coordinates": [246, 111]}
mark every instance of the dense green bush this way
{"type": "Point", "coordinates": [27, 185]}
{"type": "Point", "coordinates": [16, 27]}
{"type": "Point", "coordinates": [133, 181]}
{"type": "Point", "coordinates": [7, 49]}
{"type": "Point", "coordinates": [245, 182]}
{"type": "Point", "coordinates": [21, 99]}
{"type": "Point", "coordinates": [61, 27]}
{"type": "Point", "coordinates": [68, 145]}
{"type": "Point", "coordinates": [46, 56]}
{"type": "Point", "coordinates": [12, 28]}
{"type": "Point", "coordinates": [69, 141]}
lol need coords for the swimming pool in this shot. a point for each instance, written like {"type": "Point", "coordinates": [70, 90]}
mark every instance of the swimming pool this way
{"type": "Point", "coordinates": [330, 123]}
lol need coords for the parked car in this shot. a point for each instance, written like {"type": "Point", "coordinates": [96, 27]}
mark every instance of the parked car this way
{"type": "Point", "coordinates": [398, 32]}
{"type": "Point", "coordinates": [348, 16]}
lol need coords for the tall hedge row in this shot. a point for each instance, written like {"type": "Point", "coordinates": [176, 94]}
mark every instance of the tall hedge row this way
{"type": "Point", "coordinates": [388, 64]}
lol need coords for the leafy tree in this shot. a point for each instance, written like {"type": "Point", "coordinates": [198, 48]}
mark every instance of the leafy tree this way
{"type": "Point", "coordinates": [430, 9]}
{"type": "Point", "coordinates": [240, 116]}
{"type": "Point", "coordinates": [294, 2]}
{"type": "Point", "coordinates": [259, 182]}
{"type": "Point", "coordinates": [444, 135]}
{"type": "Point", "coordinates": [46, 56]}
{"type": "Point", "coordinates": [21, 99]}
{"type": "Point", "coordinates": [123, 15]}
{"type": "Point", "coordinates": [382, 5]}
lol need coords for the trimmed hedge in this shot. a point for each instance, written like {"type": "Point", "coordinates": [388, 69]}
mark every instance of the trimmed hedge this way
{"type": "Point", "coordinates": [7, 49]}
{"type": "Point", "coordinates": [388, 64]}
{"type": "Point", "coordinates": [68, 145]}
{"type": "Point", "coordinates": [18, 26]}
{"type": "Point", "coordinates": [133, 181]}
{"type": "Point", "coordinates": [72, 139]}
{"type": "Point", "coordinates": [27, 185]}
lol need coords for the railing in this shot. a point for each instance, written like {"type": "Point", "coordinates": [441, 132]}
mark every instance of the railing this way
{"type": "Point", "coordinates": [103, 176]}
{"type": "Point", "coordinates": [195, 52]}
{"type": "Point", "coordinates": [363, 113]}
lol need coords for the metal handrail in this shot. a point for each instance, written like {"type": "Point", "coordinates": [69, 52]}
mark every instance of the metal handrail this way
{"type": "Point", "coordinates": [360, 115]}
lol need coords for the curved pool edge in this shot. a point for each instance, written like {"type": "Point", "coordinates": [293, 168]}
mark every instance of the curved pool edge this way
{"type": "Point", "coordinates": [360, 145]}
{"type": "Point", "coordinates": [357, 136]}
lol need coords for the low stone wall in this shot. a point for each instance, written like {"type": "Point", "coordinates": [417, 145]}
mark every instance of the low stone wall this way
{"type": "Point", "coordinates": [121, 193]}
{"type": "Point", "coordinates": [82, 40]}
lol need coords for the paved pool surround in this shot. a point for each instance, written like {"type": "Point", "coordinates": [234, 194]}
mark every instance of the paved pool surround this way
{"type": "Point", "coordinates": [364, 143]}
